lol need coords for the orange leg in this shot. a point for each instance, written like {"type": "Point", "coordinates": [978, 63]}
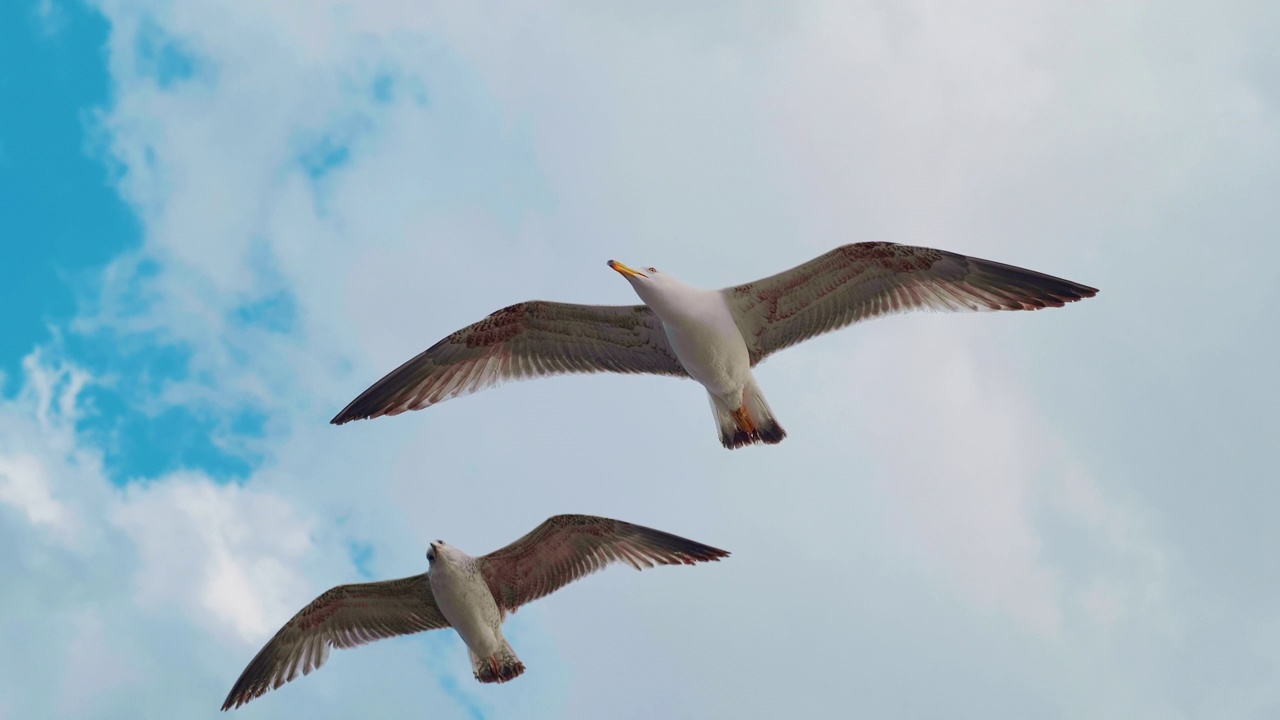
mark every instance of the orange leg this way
{"type": "Point", "coordinates": [743, 419]}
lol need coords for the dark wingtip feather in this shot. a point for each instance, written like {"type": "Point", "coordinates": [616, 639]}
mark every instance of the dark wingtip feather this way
{"type": "Point", "coordinates": [388, 395]}
{"type": "Point", "coordinates": [237, 697]}
{"type": "Point", "coordinates": [711, 554]}
{"type": "Point", "coordinates": [683, 550]}
{"type": "Point", "coordinates": [362, 408]}
{"type": "Point", "coordinates": [347, 415]}
{"type": "Point", "coordinates": [251, 683]}
{"type": "Point", "coordinates": [241, 692]}
{"type": "Point", "coordinates": [371, 403]}
{"type": "Point", "coordinates": [1027, 289]}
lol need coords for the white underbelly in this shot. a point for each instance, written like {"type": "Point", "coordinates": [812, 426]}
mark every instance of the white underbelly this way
{"type": "Point", "coordinates": [469, 607]}
{"type": "Point", "coordinates": [713, 354]}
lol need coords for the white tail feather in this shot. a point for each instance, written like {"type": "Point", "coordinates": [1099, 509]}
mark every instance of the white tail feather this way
{"type": "Point", "coordinates": [502, 666]}
{"type": "Point", "coordinates": [751, 423]}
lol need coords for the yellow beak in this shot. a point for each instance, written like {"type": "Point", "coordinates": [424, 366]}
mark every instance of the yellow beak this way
{"type": "Point", "coordinates": [625, 270]}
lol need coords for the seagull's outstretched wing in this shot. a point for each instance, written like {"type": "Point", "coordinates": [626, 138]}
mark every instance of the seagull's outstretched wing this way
{"type": "Point", "coordinates": [863, 280]}
{"type": "Point", "coordinates": [343, 617]}
{"type": "Point", "coordinates": [527, 340]}
{"type": "Point", "coordinates": [568, 547]}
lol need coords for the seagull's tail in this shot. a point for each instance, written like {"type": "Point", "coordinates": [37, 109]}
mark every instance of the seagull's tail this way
{"type": "Point", "coordinates": [753, 422]}
{"type": "Point", "coordinates": [499, 667]}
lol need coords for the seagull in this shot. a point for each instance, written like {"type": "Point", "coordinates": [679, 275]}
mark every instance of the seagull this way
{"type": "Point", "coordinates": [713, 336]}
{"type": "Point", "coordinates": [472, 595]}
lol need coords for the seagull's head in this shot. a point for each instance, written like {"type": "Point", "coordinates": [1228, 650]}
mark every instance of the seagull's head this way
{"type": "Point", "coordinates": [649, 283]}
{"type": "Point", "coordinates": [436, 551]}
{"type": "Point", "coordinates": [632, 275]}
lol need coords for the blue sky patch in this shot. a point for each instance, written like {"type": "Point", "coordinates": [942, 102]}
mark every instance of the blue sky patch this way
{"type": "Point", "coordinates": [468, 703]}
{"type": "Point", "coordinates": [384, 86]}
{"type": "Point", "coordinates": [60, 217]}
{"type": "Point", "coordinates": [276, 312]}
{"type": "Point", "coordinates": [361, 557]}
{"type": "Point", "coordinates": [63, 222]}
{"type": "Point", "coordinates": [324, 155]}
{"type": "Point", "coordinates": [149, 446]}
{"type": "Point", "coordinates": [142, 440]}
{"type": "Point", "coordinates": [164, 58]}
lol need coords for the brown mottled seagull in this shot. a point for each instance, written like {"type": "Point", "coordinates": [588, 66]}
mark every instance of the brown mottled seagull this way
{"type": "Point", "coordinates": [714, 336]}
{"type": "Point", "coordinates": [470, 594]}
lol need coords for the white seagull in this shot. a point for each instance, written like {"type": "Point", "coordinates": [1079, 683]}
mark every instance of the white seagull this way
{"type": "Point", "coordinates": [472, 595]}
{"type": "Point", "coordinates": [714, 336]}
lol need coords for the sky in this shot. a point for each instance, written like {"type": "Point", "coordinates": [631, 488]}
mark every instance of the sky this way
{"type": "Point", "coordinates": [220, 221]}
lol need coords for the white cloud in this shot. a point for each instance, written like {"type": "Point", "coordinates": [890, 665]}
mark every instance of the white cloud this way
{"type": "Point", "coordinates": [959, 452]}
{"type": "Point", "coordinates": [37, 445]}
{"type": "Point", "coordinates": [24, 484]}
{"type": "Point", "coordinates": [224, 553]}
{"type": "Point", "coordinates": [93, 665]}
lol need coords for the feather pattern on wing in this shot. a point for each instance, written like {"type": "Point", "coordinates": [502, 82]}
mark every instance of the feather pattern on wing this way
{"type": "Point", "coordinates": [568, 547]}
{"type": "Point", "coordinates": [343, 617]}
{"type": "Point", "coordinates": [525, 340]}
{"type": "Point", "coordinates": [864, 280]}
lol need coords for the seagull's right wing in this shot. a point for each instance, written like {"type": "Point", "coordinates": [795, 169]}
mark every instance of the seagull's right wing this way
{"type": "Point", "coordinates": [863, 280]}
{"type": "Point", "coordinates": [530, 339]}
{"type": "Point", "coordinates": [343, 617]}
{"type": "Point", "coordinates": [568, 547]}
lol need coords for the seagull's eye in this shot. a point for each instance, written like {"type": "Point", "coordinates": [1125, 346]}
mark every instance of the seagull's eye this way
{"type": "Point", "coordinates": [653, 269]}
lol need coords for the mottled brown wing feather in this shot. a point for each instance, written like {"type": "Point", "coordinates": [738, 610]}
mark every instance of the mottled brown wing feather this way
{"type": "Point", "coordinates": [864, 280]}
{"type": "Point", "coordinates": [568, 547]}
{"type": "Point", "coordinates": [531, 339]}
{"type": "Point", "coordinates": [343, 617]}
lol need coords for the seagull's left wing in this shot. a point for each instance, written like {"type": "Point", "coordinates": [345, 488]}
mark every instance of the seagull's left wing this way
{"type": "Point", "coordinates": [568, 547]}
{"type": "Point", "coordinates": [342, 617]}
{"type": "Point", "coordinates": [864, 280]}
{"type": "Point", "coordinates": [529, 339]}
